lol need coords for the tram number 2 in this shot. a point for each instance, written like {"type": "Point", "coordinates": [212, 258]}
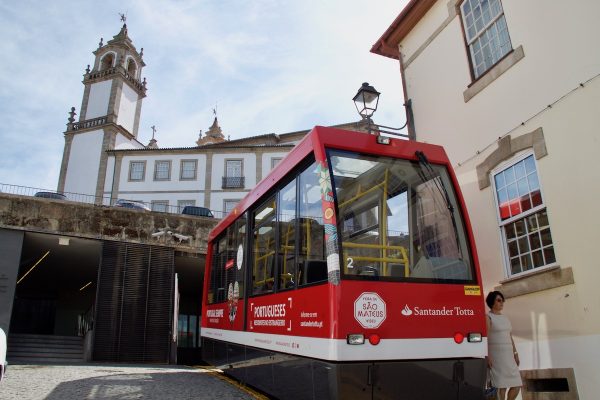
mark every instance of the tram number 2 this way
{"type": "Point", "coordinates": [350, 262]}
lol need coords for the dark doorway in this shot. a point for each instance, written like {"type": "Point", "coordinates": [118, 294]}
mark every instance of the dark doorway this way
{"type": "Point", "coordinates": [190, 271]}
{"type": "Point", "coordinates": [56, 284]}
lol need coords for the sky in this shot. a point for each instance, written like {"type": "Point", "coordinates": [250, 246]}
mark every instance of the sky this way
{"type": "Point", "coordinates": [264, 65]}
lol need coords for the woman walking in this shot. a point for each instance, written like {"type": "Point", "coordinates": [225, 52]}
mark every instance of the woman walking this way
{"type": "Point", "coordinates": [503, 359]}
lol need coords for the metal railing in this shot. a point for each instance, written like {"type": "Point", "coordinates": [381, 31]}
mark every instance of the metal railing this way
{"type": "Point", "coordinates": [99, 201]}
{"type": "Point", "coordinates": [233, 182]}
{"type": "Point", "coordinates": [85, 322]}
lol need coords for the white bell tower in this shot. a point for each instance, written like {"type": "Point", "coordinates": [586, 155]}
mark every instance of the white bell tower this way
{"type": "Point", "coordinates": [109, 116]}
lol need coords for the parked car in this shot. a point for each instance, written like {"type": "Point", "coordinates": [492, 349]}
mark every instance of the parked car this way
{"type": "Point", "coordinates": [51, 195]}
{"type": "Point", "coordinates": [132, 204]}
{"type": "Point", "coordinates": [197, 211]}
{"type": "Point", "coordinates": [2, 354]}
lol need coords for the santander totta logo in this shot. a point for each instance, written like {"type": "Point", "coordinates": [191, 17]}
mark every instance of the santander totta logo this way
{"type": "Point", "coordinates": [443, 311]}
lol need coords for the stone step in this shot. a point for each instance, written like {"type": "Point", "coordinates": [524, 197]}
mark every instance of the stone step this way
{"type": "Point", "coordinates": [43, 338]}
{"type": "Point", "coordinates": [35, 360]}
{"type": "Point", "coordinates": [35, 354]}
{"type": "Point", "coordinates": [44, 348]}
{"type": "Point", "coordinates": [37, 349]}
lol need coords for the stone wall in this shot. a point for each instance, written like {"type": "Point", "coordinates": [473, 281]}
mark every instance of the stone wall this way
{"type": "Point", "coordinates": [184, 233]}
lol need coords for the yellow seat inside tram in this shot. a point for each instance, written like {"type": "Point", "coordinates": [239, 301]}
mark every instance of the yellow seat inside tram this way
{"type": "Point", "coordinates": [369, 254]}
{"type": "Point", "coordinates": [308, 271]}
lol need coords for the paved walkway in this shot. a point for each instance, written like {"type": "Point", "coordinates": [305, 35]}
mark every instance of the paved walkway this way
{"type": "Point", "coordinates": [115, 382]}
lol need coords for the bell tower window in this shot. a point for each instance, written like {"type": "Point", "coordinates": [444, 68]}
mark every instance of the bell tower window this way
{"type": "Point", "coordinates": [107, 61]}
{"type": "Point", "coordinates": [131, 67]}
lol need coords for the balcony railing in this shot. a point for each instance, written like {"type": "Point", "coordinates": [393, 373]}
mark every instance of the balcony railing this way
{"type": "Point", "coordinates": [141, 86]}
{"type": "Point", "coordinates": [90, 123]}
{"type": "Point", "coordinates": [233, 182]}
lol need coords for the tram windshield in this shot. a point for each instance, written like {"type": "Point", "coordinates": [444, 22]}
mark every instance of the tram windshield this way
{"type": "Point", "coordinates": [398, 220]}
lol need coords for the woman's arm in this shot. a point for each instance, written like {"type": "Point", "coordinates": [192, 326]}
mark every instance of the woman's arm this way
{"type": "Point", "coordinates": [488, 326]}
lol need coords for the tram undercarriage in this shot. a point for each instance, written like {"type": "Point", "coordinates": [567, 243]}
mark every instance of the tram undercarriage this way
{"type": "Point", "coordinates": [298, 378]}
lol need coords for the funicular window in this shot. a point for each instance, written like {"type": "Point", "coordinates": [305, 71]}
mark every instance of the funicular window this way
{"type": "Point", "coordinates": [395, 221]}
{"type": "Point", "coordinates": [287, 236]}
{"type": "Point", "coordinates": [312, 266]}
{"type": "Point", "coordinates": [227, 266]}
{"type": "Point", "coordinates": [216, 290]}
{"type": "Point", "coordinates": [263, 273]}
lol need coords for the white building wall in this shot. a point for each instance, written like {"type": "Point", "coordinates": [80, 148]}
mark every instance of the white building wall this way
{"type": "Point", "coordinates": [127, 107]}
{"type": "Point", "coordinates": [84, 162]}
{"type": "Point", "coordinates": [123, 143]}
{"type": "Point", "coordinates": [108, 179]}
{"type": "Point", "coordinates": [172, 190]}
{"type": "Point", "coordinates": [217, 199]}
{"type": "Point", "coordinates": [218, 169]}
{"type": "Point", "coordinates": [266, 161]}
{"type": "Point", "coordinates": [98, 99]}
{"type": "Point", "coordinates": [559, 327]}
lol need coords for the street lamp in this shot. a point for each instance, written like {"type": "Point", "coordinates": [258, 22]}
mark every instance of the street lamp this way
{"type": "Point", "coordinates": [366, 100]}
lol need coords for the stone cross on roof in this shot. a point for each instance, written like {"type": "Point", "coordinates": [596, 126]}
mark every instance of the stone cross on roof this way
{"type": "Point", "coordinates": [153, 144]}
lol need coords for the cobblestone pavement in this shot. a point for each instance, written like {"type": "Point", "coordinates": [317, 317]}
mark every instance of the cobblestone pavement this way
{"type": "Point", "coordinates": [115, 382]}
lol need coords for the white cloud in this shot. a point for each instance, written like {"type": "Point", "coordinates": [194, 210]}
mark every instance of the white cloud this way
{"type": "Point", "coordinates": [270, 65]}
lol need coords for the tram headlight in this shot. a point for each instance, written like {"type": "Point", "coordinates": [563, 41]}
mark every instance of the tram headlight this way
{"type": "Point", "coordinates": [355, 338]}
{"type": "Point", "coordinates": [474, 337]}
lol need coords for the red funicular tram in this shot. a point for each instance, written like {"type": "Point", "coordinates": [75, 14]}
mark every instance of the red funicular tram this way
{"type": "Point", "coordinates": [349, 272]}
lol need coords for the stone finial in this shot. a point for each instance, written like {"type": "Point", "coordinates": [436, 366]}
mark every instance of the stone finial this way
{"type": "Point", "coordinates": [144, 83]}
{"type": "Point", "coordinates": [142, 52]}
{"type": "Point", "coordinates": [87, 70]}
{"type": "Point", "coordinates": [101, 43]}
{"type": "Point", "coordinates": [72, 115]}
{"type": "Point", "coordinates": [199, 141]}
{"type": "Point", "coordinates": [153, 144]}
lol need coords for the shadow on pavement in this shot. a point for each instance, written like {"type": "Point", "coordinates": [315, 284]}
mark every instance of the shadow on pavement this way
{"type": "Point", "coordinates": [180, 385]}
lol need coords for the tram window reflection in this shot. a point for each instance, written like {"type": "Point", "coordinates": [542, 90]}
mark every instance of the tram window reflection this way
{"type": "Point", "coordinates": [287, 236]}
{"type": "Point", "coordinates": [312, 266]}
{"type": "Point", "coordinates": [263, 272]}
{"type": "Point", "coordinates": [395, 221]}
